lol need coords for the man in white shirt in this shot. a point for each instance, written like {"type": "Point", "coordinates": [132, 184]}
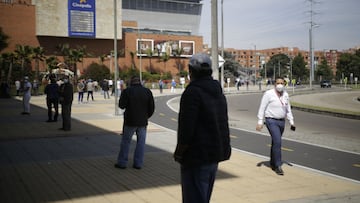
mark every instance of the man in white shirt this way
{"type": "Point", "coordinates": [274, 108]}
{"type": "Point", "coordinates": [27, 95]}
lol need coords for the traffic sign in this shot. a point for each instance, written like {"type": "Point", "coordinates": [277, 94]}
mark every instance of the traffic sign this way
{"type": "Point", "coordinates": [221, 61]}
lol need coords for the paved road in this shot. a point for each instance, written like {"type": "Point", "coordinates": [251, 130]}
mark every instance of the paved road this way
{"type": "Point", "coordinates": [38, 163]}
{"type": "Point", "coordinates": [328, 160]}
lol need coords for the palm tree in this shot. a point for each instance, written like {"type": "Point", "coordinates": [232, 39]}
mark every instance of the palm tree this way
{"type": "Point", "coordinates": [75, 56]}
{"type": "Point", "coordinates": [51, 63]}
{"type": "Point", "coordinates": [23, 53]}
{"type": "Point", "coordinates": [132, 54]}
{"type": "Point", "coordinates": [38, 55]}
{"type": "Point", "coordinates": [164, 58]}
{"type": "Point", "coordinates": [84, 53]}
{"type": "Point", "coordinates": [3, 40]}
{"type": "Point", "coordinates": [149, 54]}
{"type": "Point", "coordinates": [64, 51]}
{"type": "Point", "coordinates": [102, 58]}
{"type": "Point", "coordinates": [9, 58]}
{"type": "Point", "coordinates": [178, 52]}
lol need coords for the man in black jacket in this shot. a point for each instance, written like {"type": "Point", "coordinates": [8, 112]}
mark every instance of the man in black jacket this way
{"type": "Point", "coordinates": [52, 98]}
{"type": "Point", "coordinates": [66, 98]}
{"type": "Point", "coordinates": [203, 132]}
{"type": "Point", "coordinates": [139, 106]}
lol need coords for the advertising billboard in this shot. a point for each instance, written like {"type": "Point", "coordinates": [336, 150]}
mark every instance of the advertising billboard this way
{"type": "Point", "coordinates": [81, 16]}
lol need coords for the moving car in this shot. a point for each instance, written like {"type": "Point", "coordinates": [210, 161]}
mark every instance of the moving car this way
{"type": "Point", "coordinates": [325, 83]}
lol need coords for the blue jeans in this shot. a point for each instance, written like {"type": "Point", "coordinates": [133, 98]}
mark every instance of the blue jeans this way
{"type": "Point", "coordinates": [276, 129]}
{"type": "Point", "coordinates": [197, 182]}
{"type": "Point", "coordinates": [128, 132]}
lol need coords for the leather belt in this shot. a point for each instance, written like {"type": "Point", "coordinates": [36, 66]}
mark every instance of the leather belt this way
{"type": "Point", "coordinates": [278, 119]}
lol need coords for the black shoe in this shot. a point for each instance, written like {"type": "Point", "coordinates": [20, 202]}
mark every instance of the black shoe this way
{"type": "Point", "coordinates": [278, 170]}
{"type": "Point", "coordinates": [48, 121]}
{"type": "Point", "coordinates": [25, 113]}
{"type": "Point", "coordinates": [137, 167]}
{"type": "Point", "coordinates": [120, 167]}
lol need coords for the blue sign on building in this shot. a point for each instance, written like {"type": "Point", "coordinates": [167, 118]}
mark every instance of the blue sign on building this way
{"type": "Point", "coordinates": [81, 18]}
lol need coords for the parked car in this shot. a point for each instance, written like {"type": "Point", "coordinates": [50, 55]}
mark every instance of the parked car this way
{"type": "Point", "coordinates": [325, 83]}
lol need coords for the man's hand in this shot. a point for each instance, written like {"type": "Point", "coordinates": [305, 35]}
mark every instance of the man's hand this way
{"type": "Point", "coordinates": [259, 127]}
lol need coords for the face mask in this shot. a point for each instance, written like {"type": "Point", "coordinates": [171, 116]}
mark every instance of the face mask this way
{"type": "Point", "coordinates": [279, 88]}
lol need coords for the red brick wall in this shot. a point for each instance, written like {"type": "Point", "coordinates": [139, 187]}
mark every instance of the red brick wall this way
{"type": "Point", "coordinates": [18, 22]}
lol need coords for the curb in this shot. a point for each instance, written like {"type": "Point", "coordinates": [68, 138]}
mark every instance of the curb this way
{"type": "Point", "coordinates": [330, 113]}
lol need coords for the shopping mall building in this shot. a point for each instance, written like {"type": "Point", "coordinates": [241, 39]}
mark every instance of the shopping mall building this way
{"type": "Point", "coordinates": [147, 31]}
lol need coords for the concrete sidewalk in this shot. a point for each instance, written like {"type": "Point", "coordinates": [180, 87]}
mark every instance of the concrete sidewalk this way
{"type": "Point", "coordinates": [39, 163]}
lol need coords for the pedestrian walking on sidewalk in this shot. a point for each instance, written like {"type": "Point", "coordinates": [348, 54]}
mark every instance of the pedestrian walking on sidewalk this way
{"type": "Point", "coordinates": [203, 138]}
{"type": "Point", "coordinates": [105, 87]}
{"type": "Point", "coordinates": [66, 97]}
{"type": "Point", "coordinates": [52, 98]}
{"type": "Point", "coordinates": [90, 87]}
{"type": "Point", "coordinates": [275, 107]}
{"type": "Point", "coordinates": [139, 106]}
{"type": "Point", "coordinates": [26, 96]}
{"type": "Point", "coordinates": [81, 88]}
{"type": "Point", "coordinates": [18, 87]}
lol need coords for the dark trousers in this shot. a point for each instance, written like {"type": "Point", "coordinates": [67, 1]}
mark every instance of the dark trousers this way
{"type": "Point", "coordinates": [80, 96]}
{"type": "Point", "coordinates": [276, 129]}
{"type": "Point", "coordinates": [90, 93]}
{"type": "Point", "coordinates": [197, 182]}
{"type": "Point", "coordinates": [66, 116]}
{"type": "Point", "coordinates": [50, 103]}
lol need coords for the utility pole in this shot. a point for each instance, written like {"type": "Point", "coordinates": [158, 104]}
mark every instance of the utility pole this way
{"type": "Point", "coordinates": [115, 60]}
{"type": "Point", "coordinates": [214, 40]}
{"type": "Point", "coordinates": [311, 42]}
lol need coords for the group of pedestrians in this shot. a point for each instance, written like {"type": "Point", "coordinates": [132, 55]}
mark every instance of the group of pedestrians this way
{"type": "Point", "coordinates": [203, 137]}
{"type": "Point", "coordinates": [56, 95]}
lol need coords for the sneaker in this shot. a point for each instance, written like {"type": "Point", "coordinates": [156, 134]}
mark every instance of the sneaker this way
{"type": "Point", "coordinates": [120, 167]}
{"type": "Point", "coordinates": [279, 171]}
{"type": "Point", "coordinates": [137, 167]}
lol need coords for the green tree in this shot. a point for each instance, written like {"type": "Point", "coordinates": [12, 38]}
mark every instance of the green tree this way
{"type": "Point", "coordinates": [278, 65]}
{"type": "Point", "coordinates": [8, 58]}
{"type": "Point", "coordinates": [51, 63]}
{"type": "Point", "coordinates": [64, 50]}
{"type": "Point", "coordinates": [231, 67]}
{"type": "Point", "coordinates": [96, 72]}
{"type": "Point", "coordinates": [164, 58]}
{"type": "Point", "coordinates": [150, 54]}
{"type": "Point", "coordinates": [24, 54]}
{"type": "Point", "coordinates": [347, 64]}
{"type": "Point", "coordinates": [178, 52]}
{"type": "Point", "coordinates": [3, 40]}
{"type": "Point", "coordinates": [323, 71]}
{"type": "Point", "coordinates": [299, 71]}
{"type": "Point", "coordinates": [75, 56]}
{"type": "Point", "coordinates": [132, 55]}
{"type": "Point", "coordinates": [38, 55]}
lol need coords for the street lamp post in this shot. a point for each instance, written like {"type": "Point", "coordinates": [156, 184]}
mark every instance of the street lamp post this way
{"type": "Point", "coordinates": [222, 44]}
{"type": "Point", "coordinates": [214, 40]}
{"type": "Point", "coordinates": [263, 63]}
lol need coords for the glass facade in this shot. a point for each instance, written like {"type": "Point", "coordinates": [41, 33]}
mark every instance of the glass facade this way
{"type": "Point", "coordinates": [190, 7]}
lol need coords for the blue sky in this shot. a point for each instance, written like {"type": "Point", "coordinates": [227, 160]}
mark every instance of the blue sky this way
{"type": "Point", "coordinates": [275, 23]}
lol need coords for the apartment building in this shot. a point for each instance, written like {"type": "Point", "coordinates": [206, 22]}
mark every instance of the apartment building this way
{"type": "Point", "coordinates": [253, 59]}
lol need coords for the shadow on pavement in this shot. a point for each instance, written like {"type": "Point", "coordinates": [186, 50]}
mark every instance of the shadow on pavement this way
{"type": "Point", "coordinates": [39, 163]}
